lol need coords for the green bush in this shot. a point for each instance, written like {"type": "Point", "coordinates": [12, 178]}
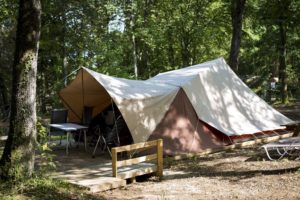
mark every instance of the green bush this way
{"type": "Point", "coordinates": [45, 155]}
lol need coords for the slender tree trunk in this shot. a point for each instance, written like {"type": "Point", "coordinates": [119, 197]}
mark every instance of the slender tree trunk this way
{"type": "Point", "coordinates": [64, 57]}
{"type": "Point", "coordinates": [133, 40]}
{"type": "Point", "coordinates": [134, 56]}
{"type": "Point", "coordinates": [171, 51]}
{"type": "Point", "coordinates": [130, 28]}
{"type": "Point", "coordinates": [3, 93]}
{"type": "Point", "coordinates": [185, 50]}
{"type": "Point", "coordinates": [237, 10]}
{"type": "Point", "coordinates": [19, 152]}
{"type": "Point", "coordinates": [282, 63]}
{"type": "Point", "coordinates": [44, 93]}
{"type": "Point", "coordinates": [3, 89]}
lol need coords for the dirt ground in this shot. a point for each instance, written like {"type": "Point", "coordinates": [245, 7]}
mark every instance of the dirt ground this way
{"type": "Point", "coordinates": [235, 174]}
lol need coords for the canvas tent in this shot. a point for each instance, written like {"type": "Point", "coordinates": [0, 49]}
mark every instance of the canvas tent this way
{"type": "Point", "coordinates": [192, 108]}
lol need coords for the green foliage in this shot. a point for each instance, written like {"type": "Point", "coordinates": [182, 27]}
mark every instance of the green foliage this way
{"type": "Point", "coordinates": [45, 156]}
{"type": "Point", "coordinates": [8, 10]}
{"type": "Point", "coordinates": [169, 35]}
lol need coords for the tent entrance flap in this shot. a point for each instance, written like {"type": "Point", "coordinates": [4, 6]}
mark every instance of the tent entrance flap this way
{"type": "Point", "coordinates": [83, 91]}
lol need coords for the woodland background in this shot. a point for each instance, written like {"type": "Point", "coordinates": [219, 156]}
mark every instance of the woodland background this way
{"type": "Point", "coordinates": [138, 39]}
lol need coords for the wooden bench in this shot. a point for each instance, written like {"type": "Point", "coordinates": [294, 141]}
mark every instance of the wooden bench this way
{"type": "Point", "coordinates": [133, 167]}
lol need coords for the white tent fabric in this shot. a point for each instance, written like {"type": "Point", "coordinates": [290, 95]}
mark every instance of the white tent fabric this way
{"type": "Point", "coordinates": [218, 96]}
{"type": "Point", "coordinates": [222, 100]}
{"type": "Point", "coordinates": [142, 104]}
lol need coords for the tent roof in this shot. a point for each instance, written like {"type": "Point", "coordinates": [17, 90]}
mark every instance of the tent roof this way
{"type": "Point", "coordinates": [218, 96]}
{"type": "Point", "coordinates": [223, 100]}
{"type": "Point", "coordinates": [126, 89]}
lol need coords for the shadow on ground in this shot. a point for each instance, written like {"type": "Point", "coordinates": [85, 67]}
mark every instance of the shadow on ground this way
{"type": "Point", "coordinates": [233, 165]}
{"type": "Point", "coordinates": [45, 189]}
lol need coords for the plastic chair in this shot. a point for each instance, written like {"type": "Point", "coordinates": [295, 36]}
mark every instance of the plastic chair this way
{"type": "Point", "coordinates": [283, 147]}
{"type": "Point", "coordinates": [58, 116]}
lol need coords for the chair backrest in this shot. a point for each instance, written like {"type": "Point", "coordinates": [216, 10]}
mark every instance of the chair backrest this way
{"type": "Point", "coordinates": [59, 116]}
{"type": "Point", "coordinates": [87, 115]}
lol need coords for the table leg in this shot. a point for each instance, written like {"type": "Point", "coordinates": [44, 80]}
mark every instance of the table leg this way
{"type": "Point", "coordinates": [67, 149]}
{"type": "Point", "coordinates": [79, 137]}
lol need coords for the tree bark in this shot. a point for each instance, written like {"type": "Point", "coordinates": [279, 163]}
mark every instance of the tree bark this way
{"type": "Point", "coordinates": [171, 51]}
{"type": "Point", "coordinates": [19, 153]}
{"type": "Point", "coordinates": [185, 49]}
{"type": "Point", "coordinates": [133, 40]}
{"type": "Point", "coordinates": [3, 93]}
{"type": "Point", "coordinates": [282, 63]}
{"type": "Point", "coordinates": [64, 56]}
{"type": "Point", "coordinates": [129, 12]}
{"type": "Point", "coordinates": [237, 10]}
{"type": "Point", "coordinates": [134, 55]}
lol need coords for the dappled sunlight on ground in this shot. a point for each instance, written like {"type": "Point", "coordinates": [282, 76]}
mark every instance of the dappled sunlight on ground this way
{"type": "Point", "coordinates": [237, 174]}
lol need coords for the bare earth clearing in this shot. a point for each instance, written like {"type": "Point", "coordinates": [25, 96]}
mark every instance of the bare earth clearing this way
{"type": "Point", "coordinates": [235, 174]}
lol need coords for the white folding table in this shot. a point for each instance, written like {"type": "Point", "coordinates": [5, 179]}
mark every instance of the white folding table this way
{"type": "Point", "coordinates": [68, 127]}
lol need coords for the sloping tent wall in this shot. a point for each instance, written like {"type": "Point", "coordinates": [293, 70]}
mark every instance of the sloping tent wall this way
{"type": "Point", "coordinates": [141, 104]}
{"type": "Point", "coordinates": [222, 100]}
{"type": "Point", "coordinates": [84, 90]}
{"type": "Point", "coordinates": [182, 131]}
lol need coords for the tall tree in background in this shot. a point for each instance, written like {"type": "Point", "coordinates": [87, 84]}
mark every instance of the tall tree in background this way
{"type": "Point", "coordinates": [7, 34]}
{"type": "Point", "coordinates": [130, 18]}
{"type": "Point", "coordinates": [19, 152]}
{"type": "Point", "coordinates": [237, 10]}
{"type": "Point", "coordinates": [282, 22]}
{"type": "Point", "coordinates": [3, 94]}
{"type": "Point", "coordinates": [282, 16]}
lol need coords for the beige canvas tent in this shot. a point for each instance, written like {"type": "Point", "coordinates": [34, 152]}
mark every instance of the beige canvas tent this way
{"type": "Point", "coordinates": [192, 108]}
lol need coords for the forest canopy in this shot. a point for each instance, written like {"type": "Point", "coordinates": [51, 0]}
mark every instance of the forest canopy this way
{"type": "Point", "coordinates": [138, 39]}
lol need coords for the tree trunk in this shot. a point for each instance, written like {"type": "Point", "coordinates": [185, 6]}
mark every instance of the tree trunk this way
{"type": "Point", "coordinates": [134, 56]}
{"type": "Point", "coordinates": [133, 40]}
{"type": "Point", "coordinates": [43, 93]}
{"type": "Point", "coordinates": [185, 50]}
{"type": "Point", "coordinates": [19, 153]}
{"type": "Point", "coordinates": [64, 56]}
{"type": "Point", "coordinates": [237, 10]}
{"type": "Point", "coordinates": [282, 63]}
{"type": "Point", "coordinates": [171, 51]}
{"type": "Point", "coordinates": [130, 28]}
{"type": "Point", "coordinates": [3, 94]}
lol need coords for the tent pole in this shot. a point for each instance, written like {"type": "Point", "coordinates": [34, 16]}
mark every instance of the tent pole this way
{"type": "Point", "coordinates": [71, 73]}
{"type": "Point", "coordinates": [82, 95]}
{"type": "Point", "coordinates": [115, 119]}
{"type": "Point", "coordinates": [63, 98]}
{"type": "Point", "coordinates": [68, 106]}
